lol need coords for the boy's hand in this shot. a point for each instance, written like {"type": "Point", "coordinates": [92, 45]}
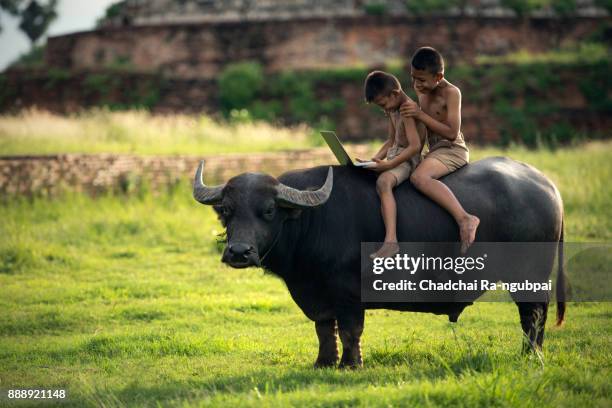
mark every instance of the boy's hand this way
{"type": "Point", "coordinates": [379, 166]}
{"type": "Point", "coordinates": [410, 109]}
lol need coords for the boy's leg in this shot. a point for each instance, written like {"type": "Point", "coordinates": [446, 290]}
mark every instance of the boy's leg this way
{"type": "Point", "coordinates": [384, 186]}
{"type": "Point", "coordinates": [425, 179]}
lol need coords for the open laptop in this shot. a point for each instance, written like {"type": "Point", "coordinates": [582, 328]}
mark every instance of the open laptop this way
{"type": "Point", "coordinates": [338, 150]}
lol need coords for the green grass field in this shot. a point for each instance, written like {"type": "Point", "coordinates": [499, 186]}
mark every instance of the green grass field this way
{"type": "Point", "coordinates": [122, 301]}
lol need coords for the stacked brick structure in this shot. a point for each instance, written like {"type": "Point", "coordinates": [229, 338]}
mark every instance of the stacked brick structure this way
{"type": "Point", "coordinates": [203, 50]}
{"type": "Point", "coordinates": [149, 12]}
{"type": "Point", "coordinates": [96, 173]}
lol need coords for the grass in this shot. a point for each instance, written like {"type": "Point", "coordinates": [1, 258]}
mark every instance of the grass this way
{"type": "Point", "coordinates": [571, 54]}
{"type": "Point", "coordinates": [122, 301]}
{"type": "Point", "coordinates": [139, 132]}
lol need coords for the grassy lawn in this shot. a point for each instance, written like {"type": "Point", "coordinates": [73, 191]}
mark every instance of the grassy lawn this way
{"type": "Point", "coordinates": [122, 301]}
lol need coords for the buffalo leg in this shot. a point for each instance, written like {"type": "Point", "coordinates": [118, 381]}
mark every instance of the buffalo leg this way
{"type": "Point", "coordinates": [328, 346]}
{"type": "Point", "coordinates": [533, 321]}
{"type": "Point", "coordinates": [350, 326]}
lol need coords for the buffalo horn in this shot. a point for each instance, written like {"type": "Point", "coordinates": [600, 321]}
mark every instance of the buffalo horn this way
{"type": "Point", "coordinates": [291, 197]}
{"type": "Point", "coordinates": [203, 193]}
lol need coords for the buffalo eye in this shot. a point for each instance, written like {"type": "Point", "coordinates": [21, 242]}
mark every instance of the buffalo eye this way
{"type": "Point", "coordinates": [222, 211]}
{"type": "Point", "coordinates": [269, 212]}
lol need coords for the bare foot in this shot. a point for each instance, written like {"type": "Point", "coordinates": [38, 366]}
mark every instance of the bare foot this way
{"type": "Point", "coordinates": [467, 230]}
{"type": "Point", "coordinates": [386, 250]}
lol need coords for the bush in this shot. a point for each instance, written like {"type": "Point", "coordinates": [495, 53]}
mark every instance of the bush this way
{"type": "Point", "coordinates": [564, 7]}
{"type": "Point", "coordinates": [524, 7]}
{"type": "Point", "coordinates": [239, 84]}
{"type": "Point", "coordinates": [375, 9]}
{"type": "Point", "coordinates": [34, 58]}
{"type": "Point", "coordinates": [7, 92]}
{"type": "Point", "coordinates": [606, 4]}
{"type": "Point", "coordinates": [420, 7]}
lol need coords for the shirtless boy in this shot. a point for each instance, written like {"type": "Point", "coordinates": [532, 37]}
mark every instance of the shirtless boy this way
{"type": "Point", "coordinates": [439, 109]}
{"type": "Point", "coordinates": [402, 151]}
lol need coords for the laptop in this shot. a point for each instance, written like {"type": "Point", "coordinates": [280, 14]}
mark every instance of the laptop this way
{"type": "Point", "coordinates": [338, 150]}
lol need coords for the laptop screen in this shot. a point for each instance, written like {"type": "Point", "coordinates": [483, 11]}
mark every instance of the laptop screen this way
{"type": "Point", "coordinates": [336, 147]}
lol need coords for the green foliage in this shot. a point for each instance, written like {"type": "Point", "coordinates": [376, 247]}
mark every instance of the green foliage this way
{"type": "Point", "coordinates": [423, 7]}
{"type": "Point", "coordinates": [239, 84]}
{"type": "Point", "coordinates": [375, 8]}
{"type": "Point", "coordinates": [564, 7]}
{"type": "Point", "coordinates": [524, 7]}
{"type": "Point", "coordinates": [121, 63]}
{"type": "Point", "coordinates": [56, 77]}
{"type": "Point", "coordinates": [101, 84]}
{"type": "Point", "coordinates": [596, 86]}
{"type": "Point", "coordinates": [7, 91]}
{"type": "Point", "coordinates": [288, 95]}
{"type": "Point", "coordinates": [606, 4]}
{"type": "Point", "coordinates": [585, 52]}
{"type": "Point", "coordinates": [34, 58]}
{"type": "Point", "coordinates": [107, 89]}
{"type": "Point", "coordinates": [269, 111]}
{"type": "Point", "coordinates": [515, 122]}
{"type": "Point", "coordinates": [35, 15]}
{"type": "Point", "coordinates": [113, 11]}
{"type": "Point", "coordinates": [36, 18]}
{"type": "Point", "coordinates": [599, 35]}
{"type": "Point", "coordinates": [521, 95]}
{"type": "Point", "coordinates": [145, 96]}
{"type": "Point", "coordinates": [12, 7]}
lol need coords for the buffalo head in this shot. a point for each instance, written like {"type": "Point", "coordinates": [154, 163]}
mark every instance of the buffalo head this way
{"type": "Point", "coordinates": [252, 207]}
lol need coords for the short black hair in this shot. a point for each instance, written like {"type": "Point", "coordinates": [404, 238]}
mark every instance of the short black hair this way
{"type": "Point", "coordinates": [380, 83]}
{"type": "Point", "coordinates": [428, 59]}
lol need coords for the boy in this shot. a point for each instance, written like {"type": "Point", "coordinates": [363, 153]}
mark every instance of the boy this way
{"type": "Point", "coordinates": [402, 151]}
{"type": "Point", "coordinates": [440, 112]}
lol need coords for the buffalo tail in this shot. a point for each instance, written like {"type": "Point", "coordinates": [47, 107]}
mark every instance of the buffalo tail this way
{"type": "Point", "coordinates": [561, 283]}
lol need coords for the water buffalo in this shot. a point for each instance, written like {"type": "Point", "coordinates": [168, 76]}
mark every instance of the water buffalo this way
{"type": "Point", "coordinates": [306, 227]}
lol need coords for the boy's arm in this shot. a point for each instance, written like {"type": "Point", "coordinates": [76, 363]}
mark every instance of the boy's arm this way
{"type": "Point", "coordinates": [414, 147]}
{"type": "Point", "coordinates": [414, 143]}
{"type": "Point", "coordinates": [382, 153]}
{"type": "Point", "coordinates": [449, 131]}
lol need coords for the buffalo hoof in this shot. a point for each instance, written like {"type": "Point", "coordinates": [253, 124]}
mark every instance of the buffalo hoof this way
{"type": "Point", "coordinates": [350, 365]}
{"type": "Point", "coordinates": [528, 348]}
{"type": "Point", "coordinates": [324, 363]}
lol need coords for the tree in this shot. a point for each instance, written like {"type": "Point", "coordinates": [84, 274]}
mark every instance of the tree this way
{"type": "Point", "coordinates": [11, 7]}
{"type": "Point", "coordinates": [35, 19]}
{"type": "Point", "coordinates": [35, 15]}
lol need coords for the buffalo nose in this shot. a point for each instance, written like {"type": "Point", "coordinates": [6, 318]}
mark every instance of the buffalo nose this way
{"type": "Point", "coordinates": [240, 249]}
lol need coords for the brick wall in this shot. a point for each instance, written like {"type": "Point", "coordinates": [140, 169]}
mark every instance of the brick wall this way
{"type": "Point", "coordinates": [95, 173]}
{"type": "Point", "coordinates": [202, 50]}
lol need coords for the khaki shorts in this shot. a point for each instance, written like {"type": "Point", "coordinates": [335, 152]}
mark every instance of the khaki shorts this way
{"type": "Point", "coordinates": [403, 171]}
{"type": "Point", "coordinates": [452, 157]}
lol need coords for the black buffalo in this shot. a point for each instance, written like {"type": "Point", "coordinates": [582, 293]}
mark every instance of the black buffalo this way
{"type": "Point", "coordinates": [307, 226]}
